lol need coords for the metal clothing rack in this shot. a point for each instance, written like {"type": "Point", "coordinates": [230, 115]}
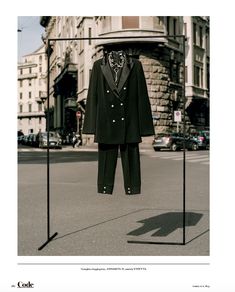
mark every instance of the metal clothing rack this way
{"type": "Point", "coordinates": [49, 40]}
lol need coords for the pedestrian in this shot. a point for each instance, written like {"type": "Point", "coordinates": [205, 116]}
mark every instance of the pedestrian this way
{"type": "Point", "coordinates": [74, 140]}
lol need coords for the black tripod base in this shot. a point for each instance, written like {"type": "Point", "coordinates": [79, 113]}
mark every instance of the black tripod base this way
{"type": "Point", "coordinates": [48, 240]}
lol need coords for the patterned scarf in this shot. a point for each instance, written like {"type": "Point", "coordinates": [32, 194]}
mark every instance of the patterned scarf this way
{"type": "Point", "coordinates": [116, 61]}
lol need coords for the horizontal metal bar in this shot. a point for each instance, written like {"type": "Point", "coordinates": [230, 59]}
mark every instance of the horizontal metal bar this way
{"type": "Point", "coordinates": [117, 37]}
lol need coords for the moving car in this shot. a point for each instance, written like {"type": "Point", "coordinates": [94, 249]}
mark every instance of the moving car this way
{"type": "Point", "coordinates": [54, 140]}
{"type": "Point", "coordinates": [174, 141]}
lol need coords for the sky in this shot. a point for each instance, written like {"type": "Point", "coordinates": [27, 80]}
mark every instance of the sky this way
{"type": "Point", "coordinates": [29, 36]}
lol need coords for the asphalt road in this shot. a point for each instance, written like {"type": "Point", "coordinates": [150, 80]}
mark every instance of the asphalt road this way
{"type": "Point", "coordinates": [91, 224]}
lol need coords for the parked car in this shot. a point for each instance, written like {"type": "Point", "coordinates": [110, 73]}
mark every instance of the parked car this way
{"type": "Point", "coordinates": [54, 140]}
{"type": "Point", "coordinates": [20, 136]}
{"type": "Point", "coordinates": [31, 139]}
{"type": "Point", "coordinates": [20, 139]}
{"type": "Point", "coordinates": [25, 140]}
{"type": "Point", "coordinates": [203, 138]}
{"type": "Point", "coordinates": [174, 141]}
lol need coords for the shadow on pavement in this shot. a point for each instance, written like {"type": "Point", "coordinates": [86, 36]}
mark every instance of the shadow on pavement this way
{"type": "Point", "coordinates": [166, 223]}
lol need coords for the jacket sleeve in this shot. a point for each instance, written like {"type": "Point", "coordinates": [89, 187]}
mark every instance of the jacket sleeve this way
{"type": "Point", "coordinates": [144, 108]}
{"type": "Point", "coordinates": [89, 126]}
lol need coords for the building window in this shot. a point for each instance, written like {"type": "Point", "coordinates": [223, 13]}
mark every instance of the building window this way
{"type": "Point", "coordinates": [89, 35]}
{"type": "Point", "coordinates": [130, 22]}
{"type": "Point", "coordinates": [186, 74]}
{"type": "Point", "coordinates": [21, 108]}
{"type": "Point", "coordinates": [21, 95]}
{"type": "Point", "coordinates": [172, 26]}
{"type": "Point", "coordinates": [40, 69]}
{"type": "Point", "coordinates": [40, 59]}
{"type": "Point", "coordinates": [30, 82]}
{"type": "Point", "coordinates": [30, 70]}
{"type": "Point", "coordinates": [21, 83]}
{"type": "Point", "coordinates": [39, 107]}
{"type": "Point", "coordinates": [81, 79]}
{"type": "Point", "coordinates": [175, 30]}
{"type": "Point", "coordinates": [174, 71]}
{"type": "Point", "coordinates": [198, 76]}
{"type": "Point", "coordinates": [194, 33]}
{"type": "Point", "coordinates": [168, 24]}
{"type": "Point", "coordinates": [30, 108]}
{"type": "Point", "coordinates": [40, 121]}
{"type": "Point", "coordinates": [200, 36]}
{"type": "Point", "coordinates": [30, 94]}
{"type": "Point", "coordinates": [201, 77]}
{"type": "Point", "coordinates": [21, 71]}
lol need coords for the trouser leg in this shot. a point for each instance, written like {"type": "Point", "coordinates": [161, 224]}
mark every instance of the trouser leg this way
{"type": "Point", "coordinates": [131, 168]}
{"type": "Point", "coordinates": [107, 161]}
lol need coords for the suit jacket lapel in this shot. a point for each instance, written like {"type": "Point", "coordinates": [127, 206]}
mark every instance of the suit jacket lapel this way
{"type": "Point", "coordinates": [124, 75]}
{"type": "Point", "coordinates": [109, 78]}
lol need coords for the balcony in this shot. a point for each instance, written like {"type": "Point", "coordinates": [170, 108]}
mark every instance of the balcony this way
{"type": "Point", "coordinates": [70, 103]}
{"type": "Point", "coordinates": [28, 76]}
{"type": "Point", "coordinates": [42, 97]}
{"type": "Point", "coordinates": [31, 114]}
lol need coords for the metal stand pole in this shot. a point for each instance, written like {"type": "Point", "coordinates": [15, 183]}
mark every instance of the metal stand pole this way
{"type": "Point", "coordinates": [184, 132]}
{"type": "Point", "coordinates": [49, 238]}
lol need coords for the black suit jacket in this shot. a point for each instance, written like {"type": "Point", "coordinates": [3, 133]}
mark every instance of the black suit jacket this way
{"type": "Point", "coordinates": [118, 114]}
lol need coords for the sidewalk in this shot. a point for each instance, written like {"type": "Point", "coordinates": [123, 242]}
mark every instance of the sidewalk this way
{"type": "Point", "coordinates": [86, 148]}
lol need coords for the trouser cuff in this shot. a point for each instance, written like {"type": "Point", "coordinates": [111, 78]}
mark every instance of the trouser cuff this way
{"type": "Point", "coordinates": [132, 190]}
{"type": "Point", "coordinates": [105, 189]}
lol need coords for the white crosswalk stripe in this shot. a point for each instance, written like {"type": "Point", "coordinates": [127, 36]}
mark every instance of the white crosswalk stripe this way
{"type": "Point", "coordinates": [192, 157]}
{"type": "Point", "coordinates": [198, 160]}
{"type": "Point", "coordinates": [189, 157]}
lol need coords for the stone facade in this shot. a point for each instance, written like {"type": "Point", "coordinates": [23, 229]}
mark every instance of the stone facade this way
{"type": "Point", "coordinates": [165, 95]}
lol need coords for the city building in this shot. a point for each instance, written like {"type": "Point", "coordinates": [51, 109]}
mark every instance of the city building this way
{"type": "Point", "coordinates": [197, 66]}
{"type": "Point", "coordinates": [32, 92]}
{"type": "Point", "coordinates": [157, 41]}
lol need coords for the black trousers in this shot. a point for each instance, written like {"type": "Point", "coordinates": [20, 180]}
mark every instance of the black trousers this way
{"type": "Point", "coordinates": [107, 161]}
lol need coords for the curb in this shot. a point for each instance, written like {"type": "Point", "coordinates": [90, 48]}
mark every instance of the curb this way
{"type": "Point", "coordinates": [68, 149]}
